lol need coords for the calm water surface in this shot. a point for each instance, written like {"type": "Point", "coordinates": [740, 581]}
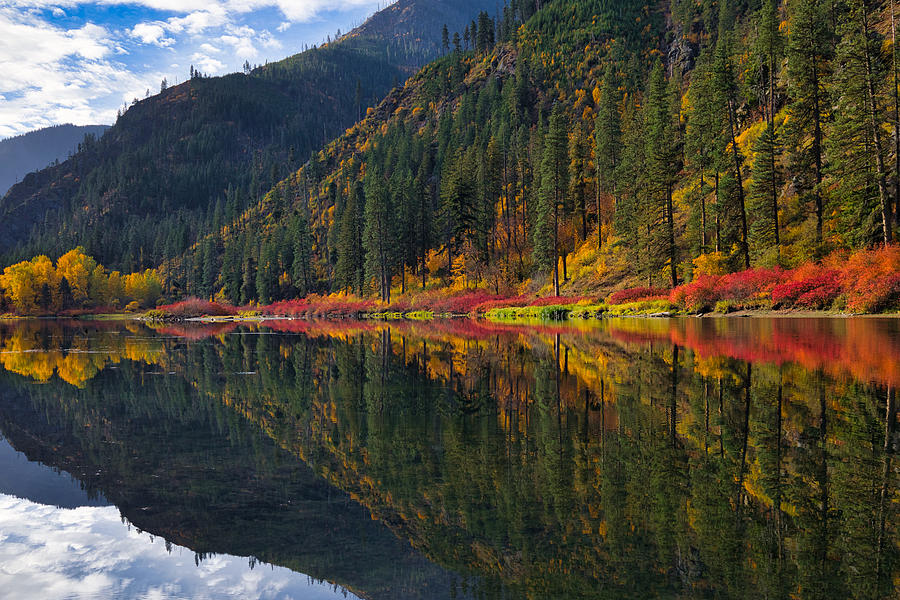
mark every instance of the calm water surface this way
{"type": "Point", "coordinates": [686, 458]}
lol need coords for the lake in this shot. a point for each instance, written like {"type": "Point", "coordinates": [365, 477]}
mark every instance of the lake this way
{"type": "Point", "coordinates": [630, 458]}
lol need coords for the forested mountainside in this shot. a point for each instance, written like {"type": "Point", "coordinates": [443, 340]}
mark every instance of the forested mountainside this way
{"type": "Point", "coordinates": [181, 163]}
{"type": "Point", "coordinates": [591, 143]}
{"type": "Point", "coordinates": [35, 150]}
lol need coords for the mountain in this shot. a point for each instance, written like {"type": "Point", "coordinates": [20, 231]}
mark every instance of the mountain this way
{"type": "Point", "coordinates": [180, 163]}
{"type": "Point", "coordinates": [449, 164]}
{"type": "Point", "coordinates": [414, 27]}
{"type": "Point", "coordinates": [584, 145]}
{"type": "Point", "coordinates": [35, 150]}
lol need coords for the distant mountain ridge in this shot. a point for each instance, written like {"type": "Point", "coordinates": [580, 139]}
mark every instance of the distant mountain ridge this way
{"type": "Point", "coordinates": [22, 154]}
{"type": "Point", "coordinates": [415, 26]}
{"type": "Point", "coordinates": [180, 163]}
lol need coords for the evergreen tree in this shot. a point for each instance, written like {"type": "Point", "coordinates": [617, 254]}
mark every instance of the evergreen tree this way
{"type": "Point", "coordinates": [765, 182]}
{"type": "Point", "coordinates": [301, 266]}
{"type": "Point", "coordinates": [552, 196]}
{"type": "Point", "coordinates": [704, 143]}
{"type": "Point", "coordinates": [808, 63]}
{"type": "Point", "coordinates": [630, 219]}
{"type": "Point", "coordinates": [267, 272]}
{"type": "Point", "coordinates": [856, 149]}
{"type": "Point", "coordinates": [379, 240]}
{"type": "Point", "coordinates": [458, 201]}
{"type": "Point", "coordinates": [580, 171]}
{"type": "Point", "coordinates": [725, 89]}
{"type": "Point", "coordinates": [663, 155]}
{"type": "Point", "coordinates": [607, 143]}
{"type": "Point", "coordinates": [348, 271]}
{"type": "Point", "coordinates": [231, 272]}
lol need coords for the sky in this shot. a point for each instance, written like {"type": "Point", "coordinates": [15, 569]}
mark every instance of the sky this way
{"type": "Point", "coordinates": [78, 61]}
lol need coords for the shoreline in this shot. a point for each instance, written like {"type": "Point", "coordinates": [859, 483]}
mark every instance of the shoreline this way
{"type": "Point", "coordinates": [781, 314]}
{"type": "Point", "coordinates": [562, 315]}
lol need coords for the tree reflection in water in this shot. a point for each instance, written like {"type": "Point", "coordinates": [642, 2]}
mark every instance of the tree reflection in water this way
{"type": "Point", "coordinates": [686, 457]}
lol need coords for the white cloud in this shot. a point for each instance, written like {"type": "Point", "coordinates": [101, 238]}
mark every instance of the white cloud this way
{"type": "Point", "coordinates": [207, 64]}
{"type": "Point", "coordinates": [152, 33]}
{"type": "Point", "coordinates": [293, 10]}
{"type": "Point", "coordinates": [55, 76]}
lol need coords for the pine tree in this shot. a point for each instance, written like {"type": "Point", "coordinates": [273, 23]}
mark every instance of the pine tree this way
{"type": "Point", "coordinates": [663, 155]}
{"type": "Point", "coordinates": [808, 63]}
{"type": "Point", "coordinates": [607, 144]}
{"type": "Point", "coordinates": [379, 240]}
{"type": "Point", "coordinates": [248, 279]}
{"type": "Point", "coordinates": [765, 177]}
{"type": "Point", "coordinates": [704, 141]}
{"type": "Point", "coordinates": [231, 272]}
{"type": "Point", "coordinates": [552, 196]}
{"type": "Point", "coordinates": [266, 272]}
{"type": "Point", "coordinates": [630, 219]}
{"type": "Point", "coordinates": [301, 264]}
{"type": "Point", "coordinates": [348, 272]}
{"type": "Point", "coordinates": [725, 89]}
{"type": "Point", "coordinates": [764, 184]}
{"type": "Point", "coordinates": [857, 149]}
{"type": "Point", "coordinates": [458, 201]}
{"type": "Point", "coordinates": [580, 171]}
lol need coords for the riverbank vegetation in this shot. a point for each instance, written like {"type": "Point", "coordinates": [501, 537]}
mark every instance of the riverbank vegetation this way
{"type": "Point", "coordinates": [75, 283]}
{"type": "Point", "coordinates": [867, 281]}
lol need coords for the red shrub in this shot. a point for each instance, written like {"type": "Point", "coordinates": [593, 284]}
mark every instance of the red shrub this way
{"type": "Point", "coordinates": [313, 306]}
{"type": "Point", "coordinates": [635, 294]}
{"type": "Point", "coordinates": [881, 294]}
{"type": "Point", "coordinates": [870, 278]}
{"type": "Point", "coordinates": [744, 285]}
{"type": "Point", "coordinates": [286, 308]}
{"type": "Point", "coordinates": [818, 291]}
{"type": "Point", "coordinates": [195, 307]}
{"type": "Point", "coordinates": [461, 304]}
{"type": "Point", "coordinates": [501, 303]}
{"type": "Point", "coordinates": [699, 295]}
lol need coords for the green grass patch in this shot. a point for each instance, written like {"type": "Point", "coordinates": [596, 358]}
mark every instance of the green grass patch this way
{"type": "Point", "coordinates": [641, 307]}
{"type": "Point", "coordinates": [551, 312]}
{"type": "Point", "coordinates": [385, 316]}
{"type": "Point", "coordinates": [419, 315]}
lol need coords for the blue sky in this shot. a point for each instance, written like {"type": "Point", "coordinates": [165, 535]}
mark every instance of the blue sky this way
{"type": "Point", "coordinates": [79, 62]}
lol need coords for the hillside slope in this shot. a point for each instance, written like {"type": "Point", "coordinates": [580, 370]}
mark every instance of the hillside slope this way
{"type": "Point", "coordinates": [181, 162]}
{"type": "Point", "coordinates": [591, 145]}
{"type": "Point", "coordinates": [35, 150]}
{"type": "Point", "coordinates": [467, 112]}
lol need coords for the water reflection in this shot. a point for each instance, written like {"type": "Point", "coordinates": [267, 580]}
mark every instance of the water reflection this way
{"type": "Point", "coordinates": [631, 458]}
{"type": "Point", "coordinates": [39, 483]}
{"type": "Point", "coordinates": [89, 553]}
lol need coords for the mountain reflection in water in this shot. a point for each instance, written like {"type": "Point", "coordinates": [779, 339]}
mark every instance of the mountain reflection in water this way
{"type": "Point", "coordinates": [460, 458]}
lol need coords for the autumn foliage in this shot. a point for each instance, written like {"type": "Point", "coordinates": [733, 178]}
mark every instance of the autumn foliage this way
{"type": "Point", "coordinates": [76, 282]}
{"type": "Point", "coordinates": [195, 307]}
{"type": "Point", "coordinates": [635, 294]}
{"type": "Point", "coordinates": [866, 281]}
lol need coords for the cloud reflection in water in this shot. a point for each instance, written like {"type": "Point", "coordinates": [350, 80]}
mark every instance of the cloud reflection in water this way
{"type": "Point", "coordinates": [88, 552]}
